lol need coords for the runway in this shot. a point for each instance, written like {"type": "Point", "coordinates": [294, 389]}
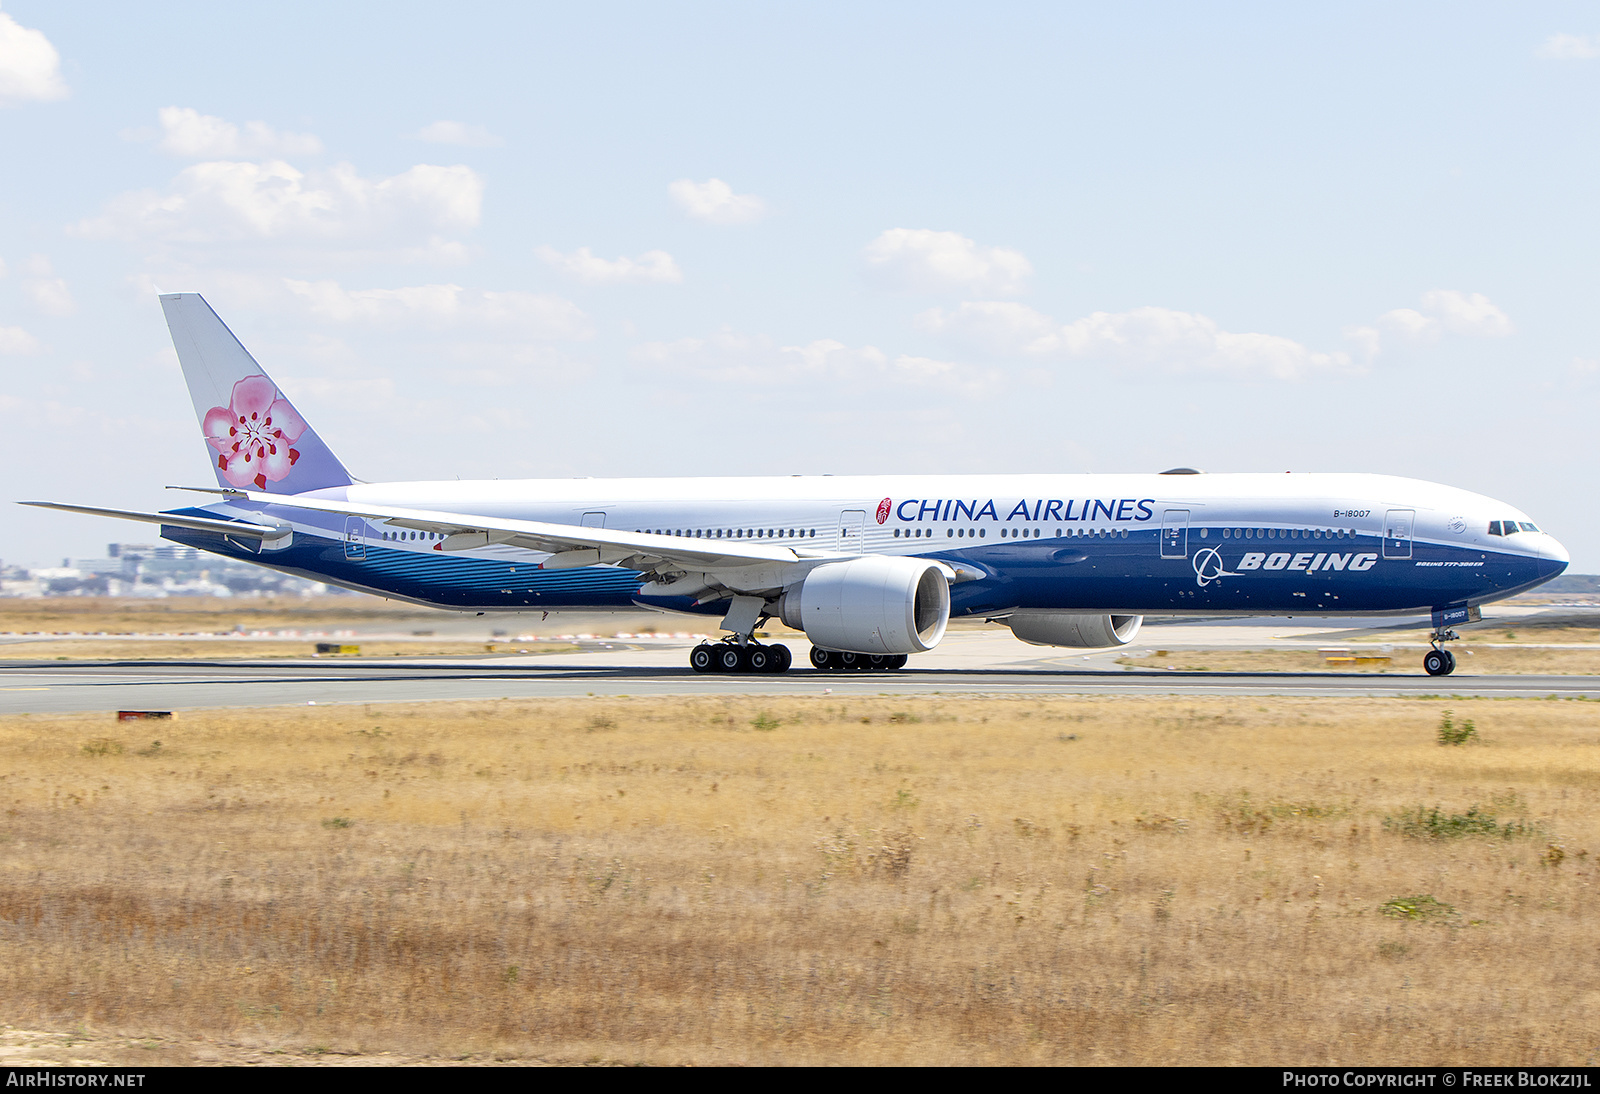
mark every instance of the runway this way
{"type": "Point", "coordinates": [52, 688]}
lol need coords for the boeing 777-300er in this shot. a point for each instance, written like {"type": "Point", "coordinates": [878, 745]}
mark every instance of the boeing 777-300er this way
{"type": "Point", "coordinates": [870, 567]}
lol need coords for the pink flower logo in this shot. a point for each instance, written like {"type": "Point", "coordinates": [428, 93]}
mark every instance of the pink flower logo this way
{"type": "Point", "coordinates": [252, 434]}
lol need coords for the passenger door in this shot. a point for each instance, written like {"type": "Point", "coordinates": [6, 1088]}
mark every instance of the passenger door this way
{"type": "Point", "coordinates": [355, 539]}
{"type": "Point", "coordinates": [852, 527]}
{"type": "Point", "coordinates": [1397, 533]}
{"type": "Point", "coordinates": [1175, 533]}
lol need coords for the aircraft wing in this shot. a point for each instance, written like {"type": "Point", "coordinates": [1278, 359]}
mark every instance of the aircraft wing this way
{"type": "Point", "coordinates": [569, 545]}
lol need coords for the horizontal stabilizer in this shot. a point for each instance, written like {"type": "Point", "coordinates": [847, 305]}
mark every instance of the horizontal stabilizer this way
{"type": "Point", "coordinates": [173, 520]}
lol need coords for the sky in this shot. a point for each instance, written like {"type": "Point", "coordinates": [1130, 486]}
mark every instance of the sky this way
{"type": "Point", "coordinates": [551, 240]}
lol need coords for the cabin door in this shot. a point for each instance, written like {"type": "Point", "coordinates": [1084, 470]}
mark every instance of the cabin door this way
{"type": "Point", "coordinates": [852, 526]}
{"type": "Point", "coordinates": [1397, 533]}
{"type": "Point", "coordinates": [1175, 533]}
{"type": "Point", "coordinates": [355, 539]}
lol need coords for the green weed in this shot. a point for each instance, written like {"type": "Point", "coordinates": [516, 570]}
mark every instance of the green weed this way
{"type": "Point", "coordinates": [1435, 823]}
{"type": "Point", "coordinates": [1452, 734]}
{"type": "Point", "coordinates": [1420, 908]}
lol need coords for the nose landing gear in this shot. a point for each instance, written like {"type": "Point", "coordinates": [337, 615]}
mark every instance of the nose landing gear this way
{"type": "Point", "coordinates": [1439, 661]}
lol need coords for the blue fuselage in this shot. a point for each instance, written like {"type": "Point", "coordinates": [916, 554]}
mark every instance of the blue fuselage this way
{"type": "Point", "coordinates": [1140, 544]}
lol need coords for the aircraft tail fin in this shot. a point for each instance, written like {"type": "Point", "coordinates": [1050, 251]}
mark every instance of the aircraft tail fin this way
{"type": "Point", "coordinates": [257, 440]}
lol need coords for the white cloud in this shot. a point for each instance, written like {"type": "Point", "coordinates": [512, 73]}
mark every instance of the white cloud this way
{"type": "Point", "coordinates": [730, 357]}
{"type": "Point", "coordinates": [650, 268]}
{"type": "Point", "coordinates": [1445, 311]}
{"type": "Point", "coordinates": [922, 260]}
{"type": "Point", "coordinates": [1570, 47]}
{"type": "Point", "coordinates": [17, 340]}
{"type": "Point", "coordinates": [1368, 340]}
{"type": "Point", "coordinates": [439, 306]}
{"type": "Point", "coordinates": [1466, 313]}
{"type": "Point", "coordinates": [1158, 338]}
{"type": "Point", "coordinates": [224, 201]}
{"type": "Point", "coordinates": [715, 202]}
{"type": "Point", "coordinates": [48, 293]}
{"type": "Point", "coordinates": [30, 67]}
{"type": "Point", "coordinates": [1409, 323]}
{"type": "Point", "coordinates": [992, 326]}
{"type": "Point", "coordinates": [188, 133]}
{"type": "Point", "coordinates": [458, 133]}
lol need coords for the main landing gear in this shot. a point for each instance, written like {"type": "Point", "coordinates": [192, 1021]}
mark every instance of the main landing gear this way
{"type": "Point", "coordinates": [835, 661]}
{"type": "Point", "coordinates": [732, 657]}
{"type": "Point", "coordinates": [1439, 661]}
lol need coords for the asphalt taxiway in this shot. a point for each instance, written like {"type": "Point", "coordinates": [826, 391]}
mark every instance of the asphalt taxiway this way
{"type": "Point", "coordinates": [971, 663]}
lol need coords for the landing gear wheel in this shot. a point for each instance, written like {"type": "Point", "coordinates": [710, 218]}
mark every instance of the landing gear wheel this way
{"type": "Point", "coordinates": [878, 662]}
{"type": "Point", "coordinates": [758, 659]}
{"type": "Point", "coordinates": [781, 659]}
{"type": "Point", "coordinates": [898, 661]}
{"type": "Point", "coordinates": [1438, 663]}
{"type": "Point", "coordinates": [1449, 661]}
{"type": "Point", "coordinates": [823, 660]}
{"type": "Point", "coordinates": [701, 659]}
{"type": "Point", "coordinates": [849, 662]}
{"type": "Point", "coordinates": [730, 659]}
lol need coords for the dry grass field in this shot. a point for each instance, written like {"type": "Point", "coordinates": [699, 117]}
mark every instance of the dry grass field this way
{"type": "Point", "coordinates": [186, 615]}
{"type": "Point", "coordinates": [1471, 660]}
{"type": "Point", "coordinates": [1528, 633]}
{"type": "Point", "coordinates": [719, 880]}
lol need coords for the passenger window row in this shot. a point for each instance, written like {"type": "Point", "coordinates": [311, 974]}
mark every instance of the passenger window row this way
{"type": "Point", "coordinates": [1014, 533]}
{"type": "Point", "coordinates": [1285, 533]}
{"type": "Point", "coordinates": [732, 533]}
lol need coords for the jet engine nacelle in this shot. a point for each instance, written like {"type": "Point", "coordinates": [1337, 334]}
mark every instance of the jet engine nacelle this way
{"type": "Point", "coordinates": [1084, 632]}
{"type": "Point", "coordinates": [876, 604]}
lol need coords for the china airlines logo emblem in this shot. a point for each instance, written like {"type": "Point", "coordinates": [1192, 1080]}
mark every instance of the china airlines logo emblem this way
{"type": "Point", "coordinates": [883, 510]}
{"type": "Point", "coordinates": [1208, 567]}
{"type": "Point", "coordinates": [253, 435]}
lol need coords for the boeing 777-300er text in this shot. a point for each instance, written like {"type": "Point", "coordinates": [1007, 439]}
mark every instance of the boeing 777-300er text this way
{"type": "Point", "coordinates": [870, 567]}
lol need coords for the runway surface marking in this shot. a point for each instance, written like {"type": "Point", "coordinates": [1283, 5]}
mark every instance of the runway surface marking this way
{"type": "Point", "coordinates": [198, 685]}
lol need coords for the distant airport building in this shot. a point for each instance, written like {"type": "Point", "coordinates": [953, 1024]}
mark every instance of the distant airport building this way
{"type": "Point", "coordinates": [152, 570]}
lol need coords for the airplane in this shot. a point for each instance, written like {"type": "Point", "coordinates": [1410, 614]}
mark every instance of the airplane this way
{"type": "Point", "coordinates": [870, 567]}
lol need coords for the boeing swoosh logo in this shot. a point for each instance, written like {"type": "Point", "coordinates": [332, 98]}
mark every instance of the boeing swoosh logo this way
{"type": "Point", "coordinates": [1208, 567]}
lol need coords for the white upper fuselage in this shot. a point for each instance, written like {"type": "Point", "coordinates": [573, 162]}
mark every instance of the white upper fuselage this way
{"type": "Point", "coordinates": [778, 508]}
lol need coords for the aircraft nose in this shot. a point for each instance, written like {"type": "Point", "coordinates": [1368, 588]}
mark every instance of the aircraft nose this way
{"type": "Point", "coordinates": [1550, 548]}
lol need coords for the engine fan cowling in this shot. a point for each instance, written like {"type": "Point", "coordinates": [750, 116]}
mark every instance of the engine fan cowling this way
{"type": "Point", "coordinates": [877, 604]}
{"type": "Point", "coordinates": [1084, 632]}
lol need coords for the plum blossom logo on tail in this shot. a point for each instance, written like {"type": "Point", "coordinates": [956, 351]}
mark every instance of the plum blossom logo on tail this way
{"type": "Point", "coordinates": [253, 435]}
{"type": "Point", "coordinates": [1208, 567]}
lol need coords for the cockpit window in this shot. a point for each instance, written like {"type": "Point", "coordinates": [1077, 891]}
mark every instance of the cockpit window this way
{"type": "Point", "coordinates": [1494, 528]}
{"type": "Point", "coordinates": [1527, 527]}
